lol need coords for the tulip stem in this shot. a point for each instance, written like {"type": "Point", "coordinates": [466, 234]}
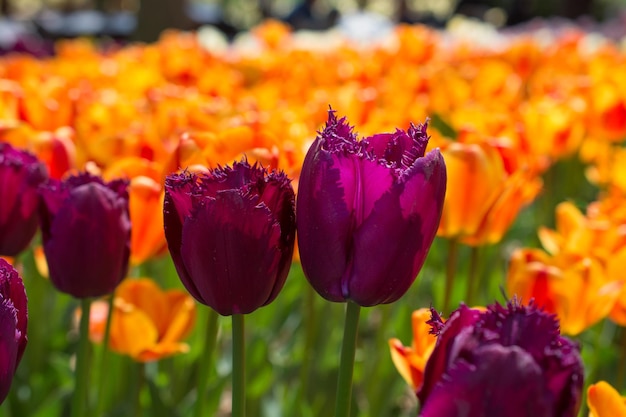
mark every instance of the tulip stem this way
{"type": "Point", "coordinates": [81, 373]}
{"type": "Point", "coordinates": [453, 250]}
{"type": "Point", "coordinates": [473, 279]}
{"type": "Point", "coordinates": [309, 341]}
{"type": "Point", "coordinates": [622, 360]}
{"type": "Point", "coordinates": [104, 359]}
{"type": "Point", "coordinates": [239, 367]}
{"type": "Point", "coordinates": [346, 366]}
{"type": "Point", "coordinates": [206, 360]}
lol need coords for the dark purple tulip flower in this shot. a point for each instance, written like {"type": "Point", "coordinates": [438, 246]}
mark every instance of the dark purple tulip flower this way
{"type": "Point", "coordinates": [506, 361]}
{"type": "Point", "coordinates": [231, 234]}
{"type": "Point", "coordinates": [368, 211]}
{"type": "Point", "coordinates": [85, 228]}
{"type": "Point", "coordinates": [13, 322]}
{"type": "Point", "coordinates": [21, 174]}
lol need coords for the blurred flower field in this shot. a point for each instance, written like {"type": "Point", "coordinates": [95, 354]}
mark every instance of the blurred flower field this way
{"type": "Point", "coordinates": [531, 127]}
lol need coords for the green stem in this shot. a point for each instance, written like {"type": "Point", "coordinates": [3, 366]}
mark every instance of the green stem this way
{"type": "Point", "coordinates": [239, 367]}
{"type": "Point", "coordinates": [104, 359]}
{"type": "Point", "coordinates": [309, 341]}
{"type": "Point", "coordinates": [473, 279]}
{"type": "Point", "coordinates": [206, 360]}
{"type": "Point", "coordinates": [622, 360]}
{"type": "Point", "coordinates": [453, 250]}
{"type": "Point", "coordinates": [346, 366]}
{"type": "Point", "coordinates": [141, 379]}
{"type": "Point", "coordinates": [81, 372]}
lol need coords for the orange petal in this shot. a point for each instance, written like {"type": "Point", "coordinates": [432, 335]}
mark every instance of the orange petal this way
{"type": "Point", "coordinates": [145, 295]}
{"type": "Point", "coordinates": [181, 317]}
{"type": "Point", "coordinates": [604, 401]}
{"type": "Point", "coordinates": [132, 331]}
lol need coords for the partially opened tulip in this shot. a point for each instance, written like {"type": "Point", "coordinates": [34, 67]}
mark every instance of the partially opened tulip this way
{"type": "Point", "coordinates": [13, 323]}
{"type": "Point", "coordinates": [506, 361]}
{"type": "Point", "coordinates": [86, 234]}
{"type": "Point", "coordinates": [21, 174]}
{"type": "Point", "coordinates": [231, 234]}
{"type": "Point", "coordinates": [368, 211]}
{"type": "Point", "coordinates": [86, 239]}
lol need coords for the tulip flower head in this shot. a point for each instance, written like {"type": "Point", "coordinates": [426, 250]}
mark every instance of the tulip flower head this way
{"type": "Point", "coordinates": [86, 234]}
{"type": "Point", "coordinates": [368, 211]}
{"type": "Point", "coordinates": [231, 234]}
{"type": "Point", "coordinates": [21, 173]}
{"type": "Point", "coordinates": [13, 323]}
{"type": "Point", "coordinates": [147, 322]}
{"type": "Point", "coordinates": [506, 361]}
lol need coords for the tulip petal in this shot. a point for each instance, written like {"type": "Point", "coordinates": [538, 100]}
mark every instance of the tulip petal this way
{"type": "Point", "coordinates": [177, 205]}
{"type": "Point", "coordinates": [460, 319]}
{"type": "Point", "coordinates": [12, 288]}
{"type": "Point", "coordinates": [408, 216]}
{"type": "Point", "coordinates": [236, 225]}
{"type": "Point", "coordinates": [499, 381]}
{"type": "Point", "coordinates": [132, 331]}
{"type": "Point", "coordinates": [323, 223]}
{"type": "Point", "coordinates": [145, 294]}
{"type": "Point", "coordinates": [605, 401]}
{"type": "Point", "coordinates": [8, 346]}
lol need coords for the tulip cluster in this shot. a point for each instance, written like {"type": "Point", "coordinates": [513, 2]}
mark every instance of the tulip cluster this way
{"type": "Point", "coordinates": [146, 135]}
{"type": "Point", "coordinates": [579, 274]}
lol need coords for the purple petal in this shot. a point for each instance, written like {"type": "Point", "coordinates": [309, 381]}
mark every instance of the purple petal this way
{"type": "Point", "coordinates": [439, 360]}
{"type": "Point", "coordinates": [499, 381]}
{"type": "Point", "coordinates": [230, 247]}
{"type": "Point", "coordinates": [324, 223]}
{"type": "Point", "coordinates": [12, 288]}
{"type": "Point", "coordinates": [21, 173]}
{"type": "Point", "coordinates": [9, 346]}
{"type": "Point", "coordinates": [406, 220]}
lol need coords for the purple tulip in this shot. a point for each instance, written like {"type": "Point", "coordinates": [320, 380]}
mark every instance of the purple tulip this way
{"type": "Point", "coordinates": [85, 228]}
{"type": "Point", "coordinates": [13, 322]}
{"type": "Point", "coordinates": [21, 173]}
{"type": "Point", "coordinates": [505, 361]}
{"type": "Point", "coordinates": [231, 234]}
{"type": "Point", "coordinates": [368, 211]}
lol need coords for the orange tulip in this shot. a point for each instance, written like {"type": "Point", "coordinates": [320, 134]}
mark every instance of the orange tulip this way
{"type": "Point", "coordinates": [604, 401]}
{"type": "Point", "coordinates": [147, 238]}
{"type": "Point", "coordinates": [410, 361]}
{"type": "Point", "coordinates": [147, 323]}
{"type": "Point", "coordinates": [578, 291]}
{"type": "Point", "coordinates": [483, 198]}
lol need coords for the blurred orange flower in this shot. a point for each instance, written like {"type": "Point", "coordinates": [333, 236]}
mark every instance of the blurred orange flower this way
{"type": "Point", "coordinates": [604, 401]}
{"type": "Point", "coordinates": [147, 323]}
{"type": "Point", "coordinates": [147, 238]}
{"type": "Point", "coordinates": [482, 198]}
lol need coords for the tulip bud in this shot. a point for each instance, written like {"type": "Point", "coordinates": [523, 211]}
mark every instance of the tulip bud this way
{"type": "Point", "coordinates": [13, 323]}
{"type": "Point", "coordinates": [86, 234]}
{"type": "Point", "coordinates": [506, 361]}
{"type": "Point", "coordinates": [368, 211]}
{"type": "Point", "coordinates": [21, 173]}
{"type": "Point", "coordinates": [231, 234]}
